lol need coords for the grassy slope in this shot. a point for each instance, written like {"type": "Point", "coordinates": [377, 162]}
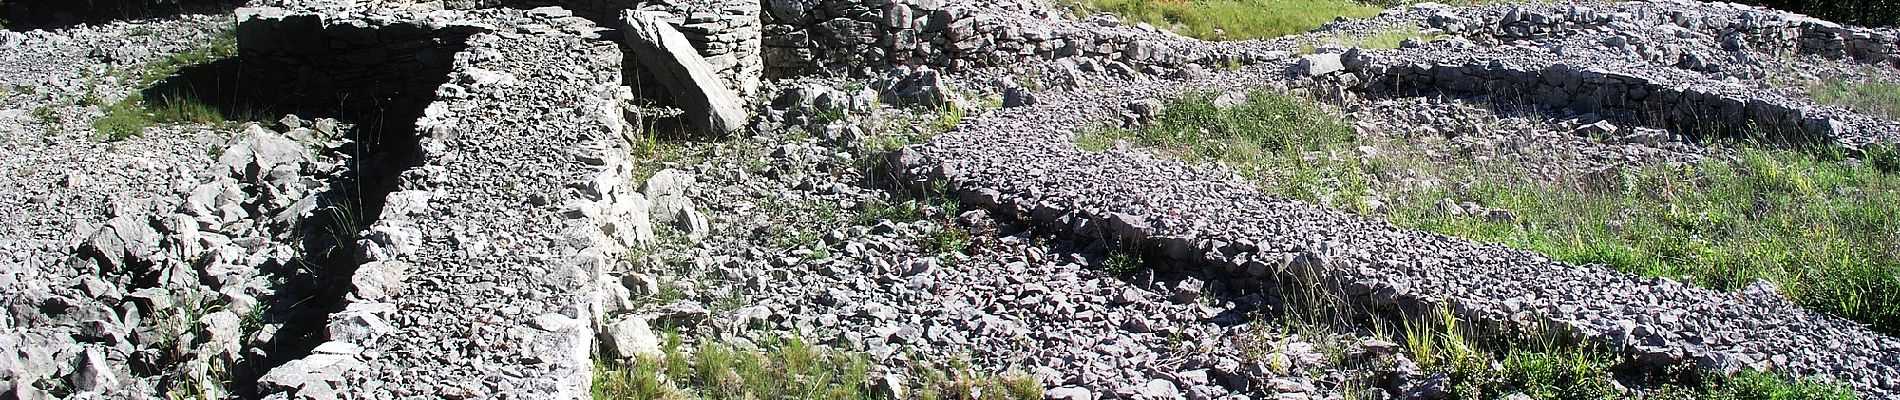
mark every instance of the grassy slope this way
{"type": "Point", "coordinates": [1821, 227]}
{"type": "Point", "coordinates": [1235, 19]}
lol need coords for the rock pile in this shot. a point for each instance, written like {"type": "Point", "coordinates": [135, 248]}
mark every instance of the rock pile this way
{"type": "Point", "coordinates": [182, 281]}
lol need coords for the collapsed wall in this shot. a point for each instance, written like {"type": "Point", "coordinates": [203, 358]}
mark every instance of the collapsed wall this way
{"type": "Point", "coordinates": [481, 275]}
{"type": "Point", "coordinates": [1691, 67]}
{"type": "Point", "coordinates": [1023, 162]}
{"type": "Point", "coordinates": [1640, 96]}
{"type": "Point", "coordinates": [1733, 26]}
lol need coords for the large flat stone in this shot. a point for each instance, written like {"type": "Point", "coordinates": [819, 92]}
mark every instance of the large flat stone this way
{"type": "Point", "coordinates": [694, 83]}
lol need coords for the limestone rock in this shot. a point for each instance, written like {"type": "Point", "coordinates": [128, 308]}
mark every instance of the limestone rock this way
{"type": "Point", "coordinates": [695, 87]}
{"type": "Point", "coordinates": [1318, 64]}
{"type": "Point", "coordinates": [631, 337]}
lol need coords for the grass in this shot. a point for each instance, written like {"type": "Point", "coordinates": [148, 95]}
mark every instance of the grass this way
{"type": "Point", "coordinates": [1231, 19]}
{"type": "Point", "coordinates": [1485, 364]}
{"type": "Point", "coordinates": [1542, 368]}
{"type": "Point", "coordinates": [223, 45]}
{"type": "Point", "coordinates": [1389, 38]}
{"type": "Point", "coordinates": [1273, 138]}
{"type": "Point", "coordinates": [1123, 262]}
{"type": "Point", "coordinates": [1823, 231]}
{"type": "Point", "coordinates": [1875, 98]}
{"type": "Point", "coordinates": [1819, 224]}
{"type": "Point", "coordinates": [786, 368]}
{"type": "Point", "coordinates": [1822, 227]}
{"type": "Point", "coordinates": [129, 116]}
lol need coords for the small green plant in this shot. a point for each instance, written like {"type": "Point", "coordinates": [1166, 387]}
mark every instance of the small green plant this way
{"type": "Point", "coordinates": [1883, 157]}
{"type": "Point", "coordinates": [642, 378]}
{"type": "Point", "coordinates": [1123, 262]}
{"type": "Point", "coordinates": [948, 240]}
{"type": "Point", "coordinates": [223, 45]}
{"type": "Point", "coordinates": [870, 212]}
{"type": "Point", "coordinates": [949, 117]}
{"type": "Point", "coordinates": [49, 117]}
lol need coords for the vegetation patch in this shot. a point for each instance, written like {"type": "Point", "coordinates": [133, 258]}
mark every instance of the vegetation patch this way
{"type": "Point", "coordinates": [1876, 98]}
{"type": "Point", "coordinates": [1252, 19]}
{"type": "Point", "coordinates": [182, 103]}
{"type": "Point", "coordinates": [1231, 19]}
{"type": "Point", "coordinates": [1488, 364]}
{"type": "Point", "coordinates": [1820, 225]}
{"type": "Point", "coordinates": [1540, 367]}
{"type": "Point", "coordinates": [781, 368]}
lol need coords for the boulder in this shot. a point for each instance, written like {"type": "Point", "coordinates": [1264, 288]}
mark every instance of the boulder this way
{"type": "Point", "coordinates": [921, 86]}
{"type": "Point", "coordinates": [695, 86]}
{"type": "Point", "coordinates": [631, 337]}
{"type": "Point", "coordinates": [1318, 64]}
{"type": "Point", "coordinates": [93, 373]}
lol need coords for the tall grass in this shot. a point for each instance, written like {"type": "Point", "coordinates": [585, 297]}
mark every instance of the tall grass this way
{"type": "Point", "coordinates": [787, 368]}
{"type": "Point", "coordinates": [1876, 98]}
{"type": "Point", "coordinates": [1825, 229]}
{"type": "Point", "coordinates": [1232, 19]}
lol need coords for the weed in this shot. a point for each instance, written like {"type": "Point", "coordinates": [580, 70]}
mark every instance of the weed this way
{"type": "Point", "coordinates": [1123, 263]}
{"type": "Point", "coordinates": [49, 117]}
{"type": "Point", "coordinates": [949, 117]}
{"type": "Point", "coordinates": [947, 240]}
{"type": "Point", "coordinates": [1883, 157]}
{"type": "Point", "coordinates": [129, 116]}
{"type": "Point", "coordinates": [873, 211]}
{"type": "Point", "coordinates": [1099, 138]}
{"type": "Point", "coordinates": [223, 45]}
{"type": "Point", "coordinates": [955, 380]}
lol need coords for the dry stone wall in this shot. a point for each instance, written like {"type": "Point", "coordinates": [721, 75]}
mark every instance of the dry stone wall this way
{"type": "Point", "coordinates": [726, 33]}
{"type": "Point", "coordinates": [483, 274]}
{"type": "Point", "coordinates": [341, 65]}
{"type": "Point", "coordinates": [862, 37]}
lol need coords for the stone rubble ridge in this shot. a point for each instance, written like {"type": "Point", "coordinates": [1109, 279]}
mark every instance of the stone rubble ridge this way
{"type": "Point", "coordinates": [1020, 161]}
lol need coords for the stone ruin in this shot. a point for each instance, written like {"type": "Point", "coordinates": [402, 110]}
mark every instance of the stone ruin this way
{"type": "Point", "coordinates": [500, 131]}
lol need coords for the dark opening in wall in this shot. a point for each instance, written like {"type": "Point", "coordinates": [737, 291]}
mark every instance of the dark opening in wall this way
{"type": "Point", "coordinates": [378, 80]}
